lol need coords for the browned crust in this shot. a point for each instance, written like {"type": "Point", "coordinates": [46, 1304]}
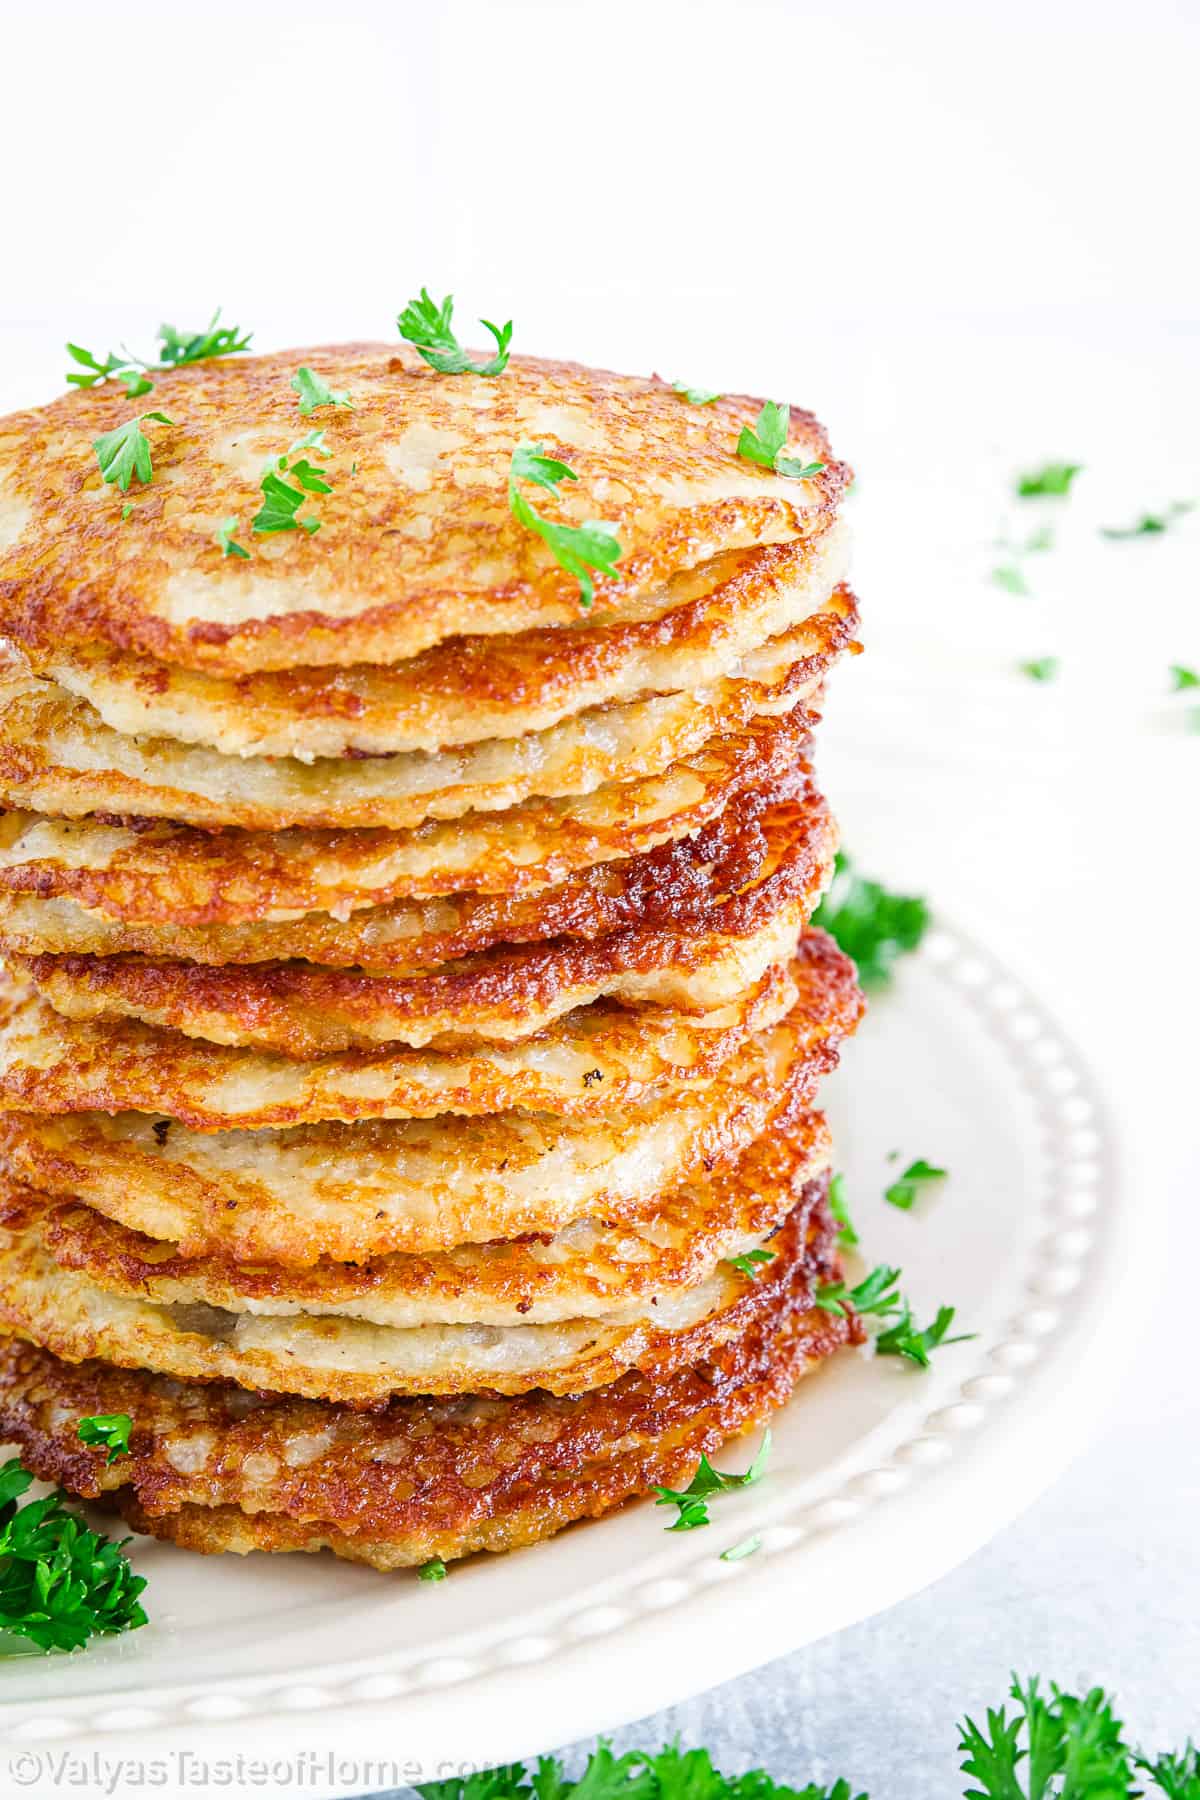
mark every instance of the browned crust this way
{"type": "Point", "coordinates": [752, 1194]}
{"type": "Point", "coordinates": [378, 591]}
{"type": "Point", "coordinates": [440, 1478]}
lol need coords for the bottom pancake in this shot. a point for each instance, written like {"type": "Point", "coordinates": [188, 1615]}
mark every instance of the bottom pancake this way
{"type": "Point", "coordinates": [215, 1468]}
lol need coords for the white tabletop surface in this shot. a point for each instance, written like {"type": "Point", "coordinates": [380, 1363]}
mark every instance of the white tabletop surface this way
{"type": "Point", "coordinates": [964, 235]}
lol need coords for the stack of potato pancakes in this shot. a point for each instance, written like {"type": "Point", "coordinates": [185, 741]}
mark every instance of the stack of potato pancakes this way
{"type": "Point", "coordinates": [411, 1011]}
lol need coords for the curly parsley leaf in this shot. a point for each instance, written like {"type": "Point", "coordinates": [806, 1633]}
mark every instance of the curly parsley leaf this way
{"type": "Point", "coordinates": [692, 1500]}
{"type": "Point", "coordinates": [227, 541]}
{"type": "Point", "coordinates": [427, 325]}
{"type": "Point", "coordinates": [876, 1293]}
{"type": "Point", "coordinates": [873, 927]}
{"type": "Point", "coordinates": [578, 548]}
{"type": "Point", "coordinates": [763, 443]}
{"type": "Point", "coordinates": [280, 507]}
{"type": "Point", "coordinates": [672, 1774]}
{"type": "Point", "coordinates": [1058, 1745]}
{"type": "Point", "coordinates": [904, 1191]}
{"type": "Point", "coordinates": [60, 1583]}
{"type": "Point", "coordinates": [175, 348]}
{"type": "Point", "coordinates": [1177, 1776]}
{"type": "Point", "coordinates": [750, 1261]}
{"type": "Point", "coordinates": [695, 396]}
{"type": "Point", "coordinates": [1040, 668]}
{"type": "Point", "coordinates": [124, 454]}
{"type": "Point", "coordinates": [108, 1430]}
{"type": "Point", "coordinates": [1052, 481]}
{"type": "Point", "coordinates": [314, 392]}
{"type": "Point", "coordinates": [847, 1236]}
{"type": "Point", "coordinates": [1149, 524]}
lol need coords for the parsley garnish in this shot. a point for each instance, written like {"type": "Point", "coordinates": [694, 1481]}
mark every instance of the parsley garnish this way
{"type": "Point", "coordinates": [738, 1552]}
{"type": "Point", "coordinates": [1182, 678]}
{"type": "Point", "coordinates": [110, 1430]}
{"type": "Point", "coordinates": [871, 925]}
{"type": "Point", "coordinates": [314, 392]}
{"type": "Point", "coordinates": [124, 454]}
{"type": "Point", "coordinates": [876, 1293]}
{"type": "Point", "coordinates": [279, 508]}
{"type": "Point", "coordinates": [1040, 668]}
{"type": "Point", "coordinates": [1011, 579]}
{"type": "Point", "coordinates": [60, 1583]}
{"type": "Point", "coordinates": [672, 1774]}
{"type": "Point", "coordinates": [1061, 1739]}
{"type": "Point", "coordinates": [905, 1190]}
{"type": "Point", "coordinates": [225, 538]}
{"type": "Point", "coordinates": [750, 1260]}
{"type": "Point", "coordinates": [1150, 524]}
{"type": "Point", "coordinates": [695, 396]}
{"type": "Point", "coordinates": [847, 1236]}
{"type": "Point", "coordinates": [763, 443]}
{"type": "Point", "coordinates": [906, 1339]}
{"type": "Point", "coordinates": [692, 1500]}
{"type": "Point", "coordinates": [433, 1570]}
{"type": "Point", "coordinates": [579, 548]}
{"type": "Point", "coordinates": [179, 347]}
{"type": "Point", "coordinates": [1052, 481]}
{"type": "Point", "coordinates": [427, 325]}
{"type": "Point", "coordinates": [113, 368]}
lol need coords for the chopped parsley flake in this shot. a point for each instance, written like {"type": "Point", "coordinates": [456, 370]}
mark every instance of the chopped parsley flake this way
{"type": "Point", "coordinates": [279, 510]}
{"type": "Point", "coordinates": [433, 1570]}
{"type": "Point", "coordinates": [905, 1339]}
{"type": "Point", "coordinates": [1052, 481]}
{"type": "Point", "coordinates": [124, 454]}
{"type": "Point", "coordinates": [695, 396]}
{"type": "Point", "coordinates": [1182, 678]}
{"type": "Point", "coordinates": [764, 442]}
{"type": "Point", "coordinates": [739, 1552]}
{"type": "Point", "coordinates": [751, 1260]}
{"type": "Point", "coordinates": [579, 548]}
{"type": "Point", "coordinates": [427, 325]}
{"type": "Point", "coordinates": [109, 1429]}
{"type": "Point", "coordinates": [1040, 668]}
{"type": "Point", "coordinates": [1150, 524]}
{"type": "Point", "coordinates": [847, 1236]}
{"type": "Point", "coordinates": [877, 1293]}
{"type": "Point", "coordinates": [1012, 579]}
{"type": "Point", "coordinates": [707, 1482]}
{"type": "Point", "coordinates": [314, 392]}
{"type": "Point", "coordinates": [225, 538]}
{"type": "Point", "coordinates": [904, 1191]}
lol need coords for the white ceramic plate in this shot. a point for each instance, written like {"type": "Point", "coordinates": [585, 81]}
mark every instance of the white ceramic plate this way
{"type": "Point", "coordinates": [883, 1477]}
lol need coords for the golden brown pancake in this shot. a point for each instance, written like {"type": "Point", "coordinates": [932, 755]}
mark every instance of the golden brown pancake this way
{"type": "Point", "coordinates": [352, 1191]}
{"type": "Point", "coordinates": [151, 870]}
{"type": "Point", "coordinates": [589, 1269]}
{"type": "Point", "coordinates": [472, 688]}
{"type": "Point", "coordinates": [217, 1468]}
{"type": "Point", "coordinates": [416, 541]}
{"type": "Point", "coordinates": [761, 852]}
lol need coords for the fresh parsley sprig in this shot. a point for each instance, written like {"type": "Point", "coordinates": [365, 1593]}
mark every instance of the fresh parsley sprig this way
{"type": "Point", "coordinates": [179, 347]}
{"type": "Point", "coordinates": [707, 1482]}
{"type": "Point", "coordinates": [907, 1339]}
{"type": "Point", "coordinates": [1052, 481]}
{"type": "Point", "coordinates": [427, 326]}
{"type": "Point", "coordinates": [764, 442]}
{"type": "Point", "coordinates": [124, 453]}
{"type": "Point", "coordinates": [872, 926]}
{"type": "Point", "coordinates": [175, 348]}
{"type": "Point", "coordinates": [877, 1293]}
{"type": "Point", "coordinates": [109, 1431]}
{"type": "Point", "coordinates": [60, 1582]}
{"type": "Point", "coordinates": [113, 368]}
{"type": "Point", "coordinates": [578, 548]}
{"type": "Point", "coordinates": [1069, 1746]}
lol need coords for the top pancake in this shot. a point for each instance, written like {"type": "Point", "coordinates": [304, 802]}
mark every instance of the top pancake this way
{"type": "Point", "coordinates": [416, 544]}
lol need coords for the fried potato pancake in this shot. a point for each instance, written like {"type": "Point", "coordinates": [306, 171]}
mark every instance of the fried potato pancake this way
{"type": "Point", "coordinates": [587, 1270]}
{"type": "Point", "coordinates": [335, 1357]}
{"type": "Point", "coordinates": [500, 997]}
{"type": "Point", "coordinates": [56, 757]}
{"type": "Point", "coordinates": [473, 688]}
{"type": "Point", "coordinates": [761, 852]}
{"type": "Point", "coordinates": [217, 1468]}
{"type": "Point", "coordinates": [583, 1065]}
{"type": "Point", "coordinates": [350, 1192]}
{"type": "Point", "coordinates": [150, 870]}
{"type": "Point", "coordinates": [416, 541]}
